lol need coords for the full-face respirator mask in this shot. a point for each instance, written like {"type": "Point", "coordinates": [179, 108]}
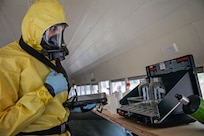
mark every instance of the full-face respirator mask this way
{"type": "Point", "coordinates": [53, 42]}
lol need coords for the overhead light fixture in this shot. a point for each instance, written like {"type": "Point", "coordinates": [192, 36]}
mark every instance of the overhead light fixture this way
{"type": "Point", "coordinates": [172, 49]}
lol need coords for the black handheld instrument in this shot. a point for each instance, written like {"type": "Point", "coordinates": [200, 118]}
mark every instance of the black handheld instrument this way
{"type": "Point", "coordinates": [83, 100]}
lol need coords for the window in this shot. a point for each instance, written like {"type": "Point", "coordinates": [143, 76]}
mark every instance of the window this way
{"type": "Point", "coordinates": [82, 90]}
{"type": "Point", "coordinates": [201, 82]}
{"type": "Point", "coordinates": [88, 89]}
{"type": "Point", "coordinates": [118, 86]}
{"type": "Point", "coordinates": [104, 87]}
{"type": "Point", "coordinates": [78, 90]}
{"type": "Point", "coordinates": [200, 74]}
{"type": "Point", "coordinates": [95, 89]}
{"type": "Point", "coordinates": [135, 81]}
{"type": "Point", "coordinates": [72, 92]}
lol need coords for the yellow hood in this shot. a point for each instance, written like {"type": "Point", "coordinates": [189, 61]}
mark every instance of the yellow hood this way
{"type": "Point", "coordinates": [41, 15]}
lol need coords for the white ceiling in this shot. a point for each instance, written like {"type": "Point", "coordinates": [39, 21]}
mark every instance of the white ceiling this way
{"type": "Point", "coordinates": [101, 29]}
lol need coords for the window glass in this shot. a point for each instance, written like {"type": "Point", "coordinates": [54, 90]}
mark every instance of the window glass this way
{"type": "Point", "coordinates": [135, 81]}
{"type": "Point", "coordinates": [105, 87]}
{"type": "Point", "coordinates": [88, 89]}
{"type": "Point", "coordinates": [94, 89]}
{"type": "Point", "coordinates": [201, 82]}
{"type": "Point", "coordinates": [78, 90]}
{"type": "Point", "coordinates": [118, 86]}
{"type": "Point", "coordinates": [72, 92]}
{"type": "Point", "coordinates": [82, 90]}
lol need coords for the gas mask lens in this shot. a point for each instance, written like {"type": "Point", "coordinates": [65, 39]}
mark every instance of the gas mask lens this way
{"type": "Point", "coordinates": [53, 42]}
{"type": "Point", "coordinates": [53, 36]}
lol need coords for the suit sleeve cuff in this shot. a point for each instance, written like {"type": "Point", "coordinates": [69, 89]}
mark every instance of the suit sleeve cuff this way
{"type": "Point", "coordinates": [44, 95]}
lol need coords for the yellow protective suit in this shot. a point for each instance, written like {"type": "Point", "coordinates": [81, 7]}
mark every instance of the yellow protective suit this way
{"type": "Point", "coordinates": [25, 104]}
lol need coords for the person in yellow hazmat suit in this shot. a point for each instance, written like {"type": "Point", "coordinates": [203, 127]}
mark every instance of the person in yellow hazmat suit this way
{"type": "Point", "coordinates": [33, 83]}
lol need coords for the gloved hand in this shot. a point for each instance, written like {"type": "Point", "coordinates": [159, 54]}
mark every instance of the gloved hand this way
{"type": "Point", "coordinates": [84, 108]}
{"type": "Point", "coordinates": [56, 83]}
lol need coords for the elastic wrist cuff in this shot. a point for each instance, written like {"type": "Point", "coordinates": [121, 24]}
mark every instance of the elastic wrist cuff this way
{"type": "Point", "coordinates": [50, 89]}
{"type": "Point", "coordinates": [44, 95]}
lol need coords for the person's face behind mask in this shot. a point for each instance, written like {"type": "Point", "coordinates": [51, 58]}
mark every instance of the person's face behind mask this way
{"type": "Point", "coordinates": [53, 42]}
{"type": "Point", "coordinates": [53, 36]}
